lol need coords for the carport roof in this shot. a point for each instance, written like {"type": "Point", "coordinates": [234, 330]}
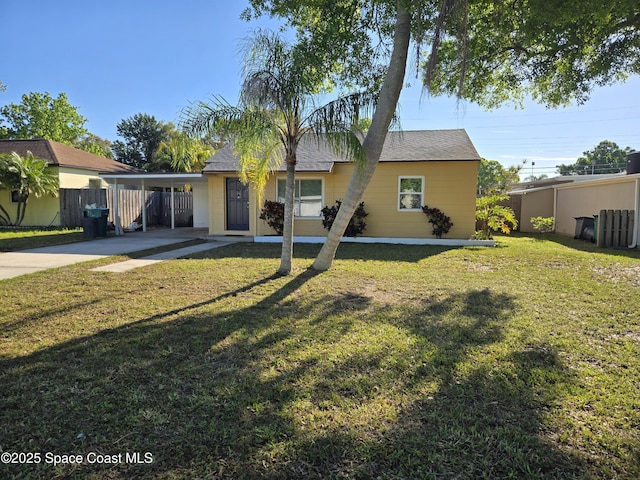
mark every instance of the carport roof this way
{"type": "Point", "coordinates": [165, 180]}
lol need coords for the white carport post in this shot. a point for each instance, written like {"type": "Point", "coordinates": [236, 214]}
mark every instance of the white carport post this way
{"type": "Point", "coordinates": [173, 208]}
{"type": "Point", "coordinates": [144, 208]}
{"type": "Point", "coordinates": [116, 208]}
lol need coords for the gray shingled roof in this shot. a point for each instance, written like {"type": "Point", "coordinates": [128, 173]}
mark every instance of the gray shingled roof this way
{"type": "Point", "coordinates": [408, 146]}
{"type": "Point", "coordinates": [60, 155]}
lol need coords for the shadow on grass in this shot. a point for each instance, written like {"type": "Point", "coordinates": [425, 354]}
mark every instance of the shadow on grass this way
{"type": "Point", "coordinates": [581, 245]}
{"type": "Point", "coordinates": [346, 251]}
{"type": "Point", "coordinates": [278, 380]}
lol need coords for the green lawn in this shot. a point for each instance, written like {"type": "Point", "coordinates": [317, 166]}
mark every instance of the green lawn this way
{"type": "Point", "coordinates": [520, 361]}
{"type": "Point", "coordinates": [12, 239]}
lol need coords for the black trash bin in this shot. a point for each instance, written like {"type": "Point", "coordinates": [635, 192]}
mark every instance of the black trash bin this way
{"type": "Point", "coordinates": [582, 223]}
{"type": "Point", "coordinates": [89, 227]}
{"type": "Point", "coordinates": [100, 215]}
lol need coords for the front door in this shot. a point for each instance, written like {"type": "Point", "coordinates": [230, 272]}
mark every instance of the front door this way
{"type": "Point", "coordinates": [237, 205]}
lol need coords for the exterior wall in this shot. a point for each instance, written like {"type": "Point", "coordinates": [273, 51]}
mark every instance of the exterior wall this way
{"type": "Point", "coordinates": [200, 205]}
{"type": "Point", "coordinates": [535, 204]}
{"type": "Point", "coordinates": [41, 212]}
{"type": "Point", "coordinates": [76, 178]}
{"type": "Point", "coordinates": [587, 200]}
{"type": "Point", "coordinates": [449, 186]}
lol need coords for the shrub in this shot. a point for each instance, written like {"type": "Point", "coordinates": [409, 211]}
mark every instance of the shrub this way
{"type": "Point", "coordinates": [542, 224]}
{"type": "Point", "coordinates": [441, 223]}
{"type": "Point", "coordinates": [357, 224]}
{"type": "Point", "coordinates": [494, 217]}
{"type": "Point", "coordinates": [273, 213]}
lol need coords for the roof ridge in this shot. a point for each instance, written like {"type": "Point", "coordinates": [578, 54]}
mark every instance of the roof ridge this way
{"type": "Point", "coordinates": [54, 157]}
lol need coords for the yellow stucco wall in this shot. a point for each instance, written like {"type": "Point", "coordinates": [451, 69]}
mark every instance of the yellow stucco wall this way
{"type": "Point", "coordinates": [75, 178]}
{"type": "Point", "coordinates": [41, 212]}
{"type": "Point", "coordinates": [449, 186]}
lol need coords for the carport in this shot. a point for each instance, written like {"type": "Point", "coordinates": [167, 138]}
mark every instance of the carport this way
{"type": "Point", "coordinates": [142, 181]}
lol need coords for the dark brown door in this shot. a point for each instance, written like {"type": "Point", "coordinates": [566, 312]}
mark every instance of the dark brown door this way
{"type": "Point", "coordinates": [237, 205]}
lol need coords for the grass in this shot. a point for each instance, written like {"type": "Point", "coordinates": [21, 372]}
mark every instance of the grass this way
{"type": "Point", "coordinates": [401, 362]}
{"type": "Point", "coordinates": [12, 239]}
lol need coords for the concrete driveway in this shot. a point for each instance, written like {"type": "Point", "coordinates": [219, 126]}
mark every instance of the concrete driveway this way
{"type": "Point", "coordinates": [13, 264]}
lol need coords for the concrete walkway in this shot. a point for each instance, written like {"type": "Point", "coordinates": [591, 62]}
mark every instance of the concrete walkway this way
{"type": "Point", "coordinates": [158, 257]}
{"type": "Point", "coordinates": [13, 264]}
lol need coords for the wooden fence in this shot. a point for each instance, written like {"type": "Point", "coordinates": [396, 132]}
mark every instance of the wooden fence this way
{"type": "Point", "coordinates": [73, 201]}
{"type": "Point", "coordinates": [158, 206]}
{"type": "Point", "coordinates": [615, 228]}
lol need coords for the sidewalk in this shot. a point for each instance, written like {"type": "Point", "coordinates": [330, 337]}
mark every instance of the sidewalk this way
{"type": "Point", "coordinates": [13, 264]}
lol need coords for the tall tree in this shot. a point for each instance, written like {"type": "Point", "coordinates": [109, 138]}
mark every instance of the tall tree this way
{"type": "Point", "coordinates": [606, 157]}
{"type": "Point", "coordinates": [94, 144]}
{"type": "Point", "coordinates": [142, 135]}
{"type": "Point", "coordinates": [493, 178]}
{"type": "Point", "coordinates": [276, 111]}
{"type": "Point", "coordinates": [39, 115]}
{"type": "Point", "coordinates": [26, 176]}
{"type": "Point", "coordinates": [481, 50]}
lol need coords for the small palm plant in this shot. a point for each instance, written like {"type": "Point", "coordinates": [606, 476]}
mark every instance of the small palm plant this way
{"type": "Point", "coordinates": [26, 176]}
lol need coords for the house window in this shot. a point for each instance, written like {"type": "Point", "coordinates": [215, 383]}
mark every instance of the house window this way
{"type": "Point", "coordinates": [15, 196]}
{"type": "Point", "coordinates": [410, 193]}
{"type": "Point", "coordinates": [307, 196]}
{"type": "Point", "coordinates": [95, 183]}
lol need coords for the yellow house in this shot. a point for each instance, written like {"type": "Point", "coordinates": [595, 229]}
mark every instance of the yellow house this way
{"type": "Point", "coordinates": [76, 169]}
{"type": "Point", "coordinates": [437, 168]}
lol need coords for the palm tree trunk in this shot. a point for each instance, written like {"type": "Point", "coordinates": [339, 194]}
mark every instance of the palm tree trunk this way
{"type": "Point", "coordinates": [4, 216]}
{"type": "Point", "coordinates": [287, 229]}
{"type": "Point", "coordinates": [374, 141]}
{"type": "Point", "coordinates": [22, 207]}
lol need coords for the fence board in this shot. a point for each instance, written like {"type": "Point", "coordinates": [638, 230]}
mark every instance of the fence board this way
{"type": "Point", "coordinates": [615, 228]}
{"type": "Point", "coordinates": [73, 201]}
{"type": "Point", "coordinates": [157, 204]}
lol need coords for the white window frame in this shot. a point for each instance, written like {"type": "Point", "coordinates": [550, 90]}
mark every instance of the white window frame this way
{"type": "Point", "coordinates": [400, 193]}
{"type": "Point", "coordinates": [314, 217]}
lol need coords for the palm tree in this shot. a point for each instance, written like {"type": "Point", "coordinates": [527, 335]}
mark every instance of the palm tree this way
{"type": "Point", "coordinates": [184, 153]}
{"type": "Point", "coordinates": [276, 111]}
{"type": "Point", "coordinates": [26, 176]}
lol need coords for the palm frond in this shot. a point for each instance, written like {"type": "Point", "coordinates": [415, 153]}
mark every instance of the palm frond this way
{"type": "Point", "coordinates": [337, 123]}
{"type": "Point", "coordinates": [215, 118]}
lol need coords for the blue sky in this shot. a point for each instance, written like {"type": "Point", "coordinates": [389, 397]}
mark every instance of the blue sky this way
{"type": "Point", "coordinates": [117, 58]}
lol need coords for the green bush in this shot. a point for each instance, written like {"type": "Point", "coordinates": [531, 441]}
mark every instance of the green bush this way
{"type": "Point", "coordinates": [542, 224]}
{"type": "Point", "coordinates": [357, 224]}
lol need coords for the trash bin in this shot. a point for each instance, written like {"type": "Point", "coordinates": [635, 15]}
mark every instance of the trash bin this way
{"type": "Point", "coordinates": [595, 228]}
{"type": "Point", "coordinates": [89, 227]}
{"type": "Point", "coordinates": [582, 223]}
{"type": "Point", "coordinates": [100, 215]}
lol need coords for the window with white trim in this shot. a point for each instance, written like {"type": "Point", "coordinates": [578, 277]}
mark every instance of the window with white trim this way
{"type": "Point", "coordinates": [307, 196]}
{"type": "Point", "coordinates": [410, 193]}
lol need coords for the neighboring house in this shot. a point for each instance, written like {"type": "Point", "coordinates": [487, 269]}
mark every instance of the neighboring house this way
{"type": "Point", "coordinates": [76, 169]}
{"type": "Point", "coordinates": [568, 197]}
{"type": "Point", "coordinates": [437, 168]}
